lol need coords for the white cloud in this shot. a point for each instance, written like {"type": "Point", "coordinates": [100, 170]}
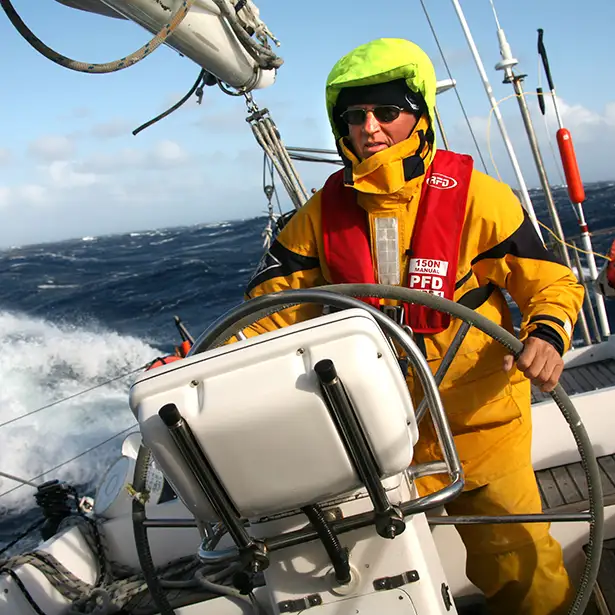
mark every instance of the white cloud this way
{"type": "Point", "coordinates": [118, 191]}
{"type": "Point", "coordinates": [166, 184]}
{"type": "Point", "coordinates": [70, 199]}
{"type": "Point", "coordinates": [164, 154]}
{"type": "Point", "coordinates": [31, 194]}
{"type": "Point", "coordinates": [52, 147]}
{"type": "Point", "coordinates": [17, 198]}
{"type": "Point", "coordinates": [169, 152]}
{"type": "Point", "coordinates": [125, 159]}
{"type": "Point", "coordinates": [229, 120]}
{"type": "Point", "coordinates": [115, 128]}
{"type": "Point", "coordinates": [584, 124]}
{"type": "Point", "coordinates": [592, 133]}
{"type": "Point", "coordinates": [63, 174]}
{"type": "Point", "coordinates": [5, 196]}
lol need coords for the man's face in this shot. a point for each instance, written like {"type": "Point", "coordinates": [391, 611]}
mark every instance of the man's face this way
{"type": "Point", "coordinates": [371, 128]}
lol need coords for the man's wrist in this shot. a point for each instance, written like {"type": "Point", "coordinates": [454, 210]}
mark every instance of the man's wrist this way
{"type": "Point", "coordinates": [549, 334]}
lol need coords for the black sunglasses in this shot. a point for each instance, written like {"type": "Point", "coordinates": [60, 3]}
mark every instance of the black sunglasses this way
{"type": "Point", "coordinates": [383, 113]}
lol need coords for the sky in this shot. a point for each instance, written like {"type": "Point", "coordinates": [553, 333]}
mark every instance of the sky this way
{"type": "Point", "coordinates": [70, 167]}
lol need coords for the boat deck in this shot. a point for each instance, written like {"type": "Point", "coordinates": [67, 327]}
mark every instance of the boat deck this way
{"type": "Point", "coordinates": [564, 488]}
{"type": "Point", "coordinates": [604, 592]}
{"type": "Point", "coordinates": [583, 379]}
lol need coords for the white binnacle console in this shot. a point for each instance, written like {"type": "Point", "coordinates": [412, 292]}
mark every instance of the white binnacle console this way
{"type": "Point", "coordinates": [315, 416]}
{"type": "Point", "coordinates": [257, 411]}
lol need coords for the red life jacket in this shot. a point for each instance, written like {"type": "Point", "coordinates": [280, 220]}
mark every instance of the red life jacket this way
{"type": "Point", "coordinates": [434, 249]}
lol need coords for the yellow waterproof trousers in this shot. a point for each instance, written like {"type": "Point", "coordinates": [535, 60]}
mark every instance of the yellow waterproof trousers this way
{"type": "Point", "coordinates": [518, 567]}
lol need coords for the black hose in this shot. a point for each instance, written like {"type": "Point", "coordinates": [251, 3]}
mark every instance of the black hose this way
{"type": "Point", "coordinates": [202, 75]}
{"type": "Point", "coordinates": [140, 533]}
{"type": "Point", "coordinates": [337, 554]}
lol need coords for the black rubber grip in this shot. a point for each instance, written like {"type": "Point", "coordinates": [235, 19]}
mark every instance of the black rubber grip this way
{"type": "Point", "coordinates": [326, 371]}
{"type": "Point", "coordinates": [170, 415]}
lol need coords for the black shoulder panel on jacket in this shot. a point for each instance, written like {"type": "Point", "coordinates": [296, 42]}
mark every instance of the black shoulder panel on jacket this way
{"type": "Point", "coordinates": [524, 243]}
{"type": "Point", "coordinates": [279, 261]}
{"type": "Point", "coordinates": [463, 280]}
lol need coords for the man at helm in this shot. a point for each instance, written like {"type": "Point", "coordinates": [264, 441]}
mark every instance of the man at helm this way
{"type": "Point", "coordinates": [399, 213]}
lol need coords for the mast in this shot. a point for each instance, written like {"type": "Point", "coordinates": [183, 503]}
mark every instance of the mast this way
{"type": "Point", "coordinates": [525, 197]}
{"type": "Point", "coordinates": [506, 64]}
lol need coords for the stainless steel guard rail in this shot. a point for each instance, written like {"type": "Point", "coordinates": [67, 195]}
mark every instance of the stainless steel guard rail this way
{"type": "Point", "coordinates": [247, 313]}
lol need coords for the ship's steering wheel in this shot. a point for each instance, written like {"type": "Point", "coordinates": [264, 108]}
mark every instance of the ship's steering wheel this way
{"type": "Point", "coordinates": [341, 297]}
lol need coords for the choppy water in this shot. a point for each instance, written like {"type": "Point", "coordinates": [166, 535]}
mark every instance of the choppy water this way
{"type": "Point", "coordinates": [79, 313]}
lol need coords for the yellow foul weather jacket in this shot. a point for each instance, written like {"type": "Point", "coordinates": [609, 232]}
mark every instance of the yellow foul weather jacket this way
{"type": "Point", "coordinates": [488, 409]}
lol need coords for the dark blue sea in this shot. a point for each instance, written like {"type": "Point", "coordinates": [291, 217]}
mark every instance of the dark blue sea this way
{"type": "Point", "coordinates": [79, 313]}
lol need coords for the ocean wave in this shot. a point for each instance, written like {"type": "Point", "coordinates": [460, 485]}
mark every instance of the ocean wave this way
{"type": "Point", "coordinates": [81, 376]}
{"type": "Point", "coordinates": [56, 286]}
{"type": "Point", "coordinates": [75, 314]}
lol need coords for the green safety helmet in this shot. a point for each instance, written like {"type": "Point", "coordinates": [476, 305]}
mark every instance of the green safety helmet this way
{"type": "Point", "coordinates": [381, 61]}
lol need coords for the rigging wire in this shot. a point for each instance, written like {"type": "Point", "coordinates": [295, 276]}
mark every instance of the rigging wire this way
{"type": "Point", "coordinates": [268, 137]}
{"type": "Point", "coordinates": [270, 191]}
{"type": "Point", "coordinates": [59, 401]}
{"type": "Point", "coordinates": [495, 15]}
{"type": "Point", "coordinates": [312, 154]}
{"type": "Point", "coordinates": [450, 75]}
{"type": "Point", "coordinates": [268, 165]}
{"type": "Point", "coordinates": [307, 158]}
{"type": "Point", "coordinates": [23, 481]}
{"type": "Point", "coordinates": [574, 247]}
{"type": "Point", "coordinates": [60, 465]}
